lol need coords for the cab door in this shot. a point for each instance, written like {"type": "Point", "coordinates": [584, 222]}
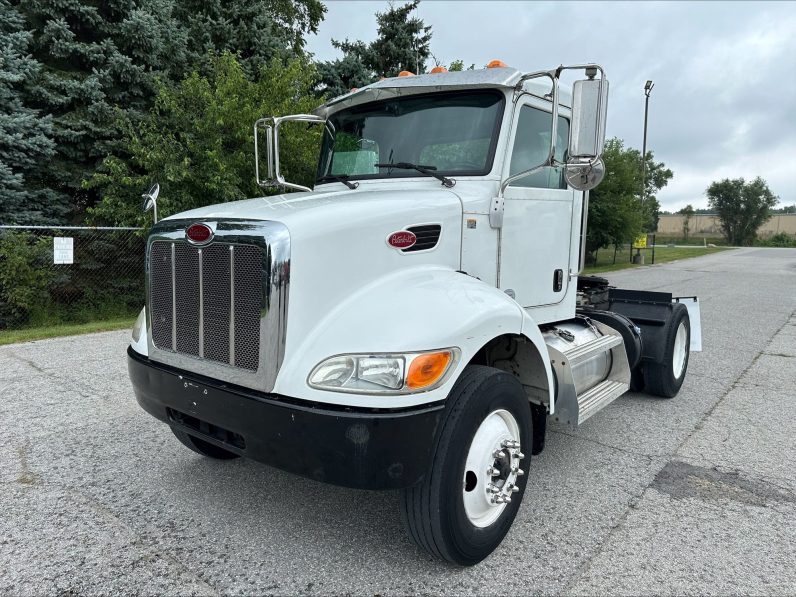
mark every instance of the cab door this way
{"type": "Point", "coordinates": [535, 240]}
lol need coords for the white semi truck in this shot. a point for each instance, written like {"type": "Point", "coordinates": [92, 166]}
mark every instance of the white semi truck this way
{"type": "Point", "coordinates": [414, 320]}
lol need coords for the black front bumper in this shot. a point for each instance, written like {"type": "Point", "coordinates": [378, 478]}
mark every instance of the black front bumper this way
{"type": "Point", "coordinates": [366, 449]}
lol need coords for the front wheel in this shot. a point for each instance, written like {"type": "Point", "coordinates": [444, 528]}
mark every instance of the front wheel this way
{"type": "Point", "coordinates": [467, 501]}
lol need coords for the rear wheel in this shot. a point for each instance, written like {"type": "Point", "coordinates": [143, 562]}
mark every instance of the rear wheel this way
{"type": "Point", "coordinates": [202, 447]}
{"type": "Point", "coordinates": [665, 379]}
{"type": "Point", "coordinates": [468, 500]}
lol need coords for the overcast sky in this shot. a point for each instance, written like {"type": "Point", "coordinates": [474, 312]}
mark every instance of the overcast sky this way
{"type": "Point", "coordinates": [724, 102]}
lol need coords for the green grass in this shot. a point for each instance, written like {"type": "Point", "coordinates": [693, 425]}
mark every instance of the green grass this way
{"type": "Point", "coordinates": [73, 329]}
{"type": "Point", "coordinates": [605, 257]}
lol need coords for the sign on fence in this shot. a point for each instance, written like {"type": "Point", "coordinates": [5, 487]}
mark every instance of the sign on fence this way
{"type": "Point", "coordinates": [63, 250]}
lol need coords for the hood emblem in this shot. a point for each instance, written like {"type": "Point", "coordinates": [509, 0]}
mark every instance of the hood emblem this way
{"type": "Point", "coordinates": [403, 239]}
{"type": "Point", "coordinates": [199, 234]}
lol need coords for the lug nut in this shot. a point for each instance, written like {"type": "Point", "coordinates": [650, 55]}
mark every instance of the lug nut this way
{"type": "Point", "coordinates": [492, 488]}
{"type": "Point", "coordinates": [514, 489]}
{"type": "Point", "coordinates": [520, 455]}
{"type": "Point", "coordinates": [492, 471]}
{"type": "Point", "coordinates": [498, 454]}
{"type": "Point", "coordinates": [510, 443]}
{"type": "Point", "coordinates": [518, 471]}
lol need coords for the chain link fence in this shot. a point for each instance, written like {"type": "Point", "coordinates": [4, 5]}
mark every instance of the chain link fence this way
{"type": "Point", "coordinates": [69, 274]}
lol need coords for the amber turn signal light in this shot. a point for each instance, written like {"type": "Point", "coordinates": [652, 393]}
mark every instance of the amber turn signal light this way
{"type": "Point", "coordinates": [427, 369]}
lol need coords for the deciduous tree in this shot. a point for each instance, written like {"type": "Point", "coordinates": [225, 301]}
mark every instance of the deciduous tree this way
{"type": "Point", "coordinates": [742, 207]}
{"type": "Point", "coordinates": [197, 141]}
{"type": "Point", "coordinates": [687, 212]}
{"type": "Point", "coordinates": [615, 212]}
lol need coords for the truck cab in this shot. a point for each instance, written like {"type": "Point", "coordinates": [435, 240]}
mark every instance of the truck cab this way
{"type": "Point", "coordinates": [413, 320]}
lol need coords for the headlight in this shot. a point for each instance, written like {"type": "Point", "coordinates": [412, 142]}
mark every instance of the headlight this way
{"type": "Point", "coordinates": [384, 374]}
{"type": "Point", "coordinates": [139, 325]}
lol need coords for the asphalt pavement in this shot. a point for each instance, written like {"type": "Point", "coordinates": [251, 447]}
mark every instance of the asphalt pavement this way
{"type": "Point", "coordinates": [694, 495]}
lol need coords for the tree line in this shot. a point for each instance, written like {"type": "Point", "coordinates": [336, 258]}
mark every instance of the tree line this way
{"type": "Point", "coordinates": [101, 99]}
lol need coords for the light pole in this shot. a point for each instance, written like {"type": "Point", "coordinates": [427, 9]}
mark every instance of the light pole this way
{"type": "Point", "coordinates": [638, 257]}
{"type": "Point", "coordinates": [647, 90]}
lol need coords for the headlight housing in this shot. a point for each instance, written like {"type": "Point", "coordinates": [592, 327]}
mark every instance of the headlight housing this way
{"type": "Point", "coordinates": [402, 373]}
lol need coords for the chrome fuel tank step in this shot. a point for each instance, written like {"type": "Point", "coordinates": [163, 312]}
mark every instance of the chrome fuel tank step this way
{"type": "Point", "coordinates": [590, 366]}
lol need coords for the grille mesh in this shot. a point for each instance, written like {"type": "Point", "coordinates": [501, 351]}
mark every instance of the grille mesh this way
{"type": "Point", "coordinates": [215, 323]}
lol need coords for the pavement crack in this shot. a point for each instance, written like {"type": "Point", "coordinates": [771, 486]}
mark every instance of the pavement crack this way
{"type": "Point", "coordinates": [649, 457]}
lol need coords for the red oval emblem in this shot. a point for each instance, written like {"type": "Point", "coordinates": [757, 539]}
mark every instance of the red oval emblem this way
{"type": "Point", "coordinates": [199, 233]}
{"type": "Point", "coordinates": [403, 239]}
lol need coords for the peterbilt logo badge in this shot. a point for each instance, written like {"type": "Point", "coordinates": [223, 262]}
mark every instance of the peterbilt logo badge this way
{"type": "Point", "coordinates": [199, 233]}
{"type": "Point", "coordinates": [403, 239]}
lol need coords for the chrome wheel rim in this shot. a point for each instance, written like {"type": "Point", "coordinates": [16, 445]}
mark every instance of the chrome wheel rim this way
{"type": "Point", "coordinates": [680, 350]}
{"type": "Point", "coordinates": [492, 468]}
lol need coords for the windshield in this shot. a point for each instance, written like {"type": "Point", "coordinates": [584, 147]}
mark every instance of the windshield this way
{"type": "Point", "coordinates": [454, 133]}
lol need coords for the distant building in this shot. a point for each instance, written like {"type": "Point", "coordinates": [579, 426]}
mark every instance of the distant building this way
{"type": "Point", "coordinates": [709, 225]}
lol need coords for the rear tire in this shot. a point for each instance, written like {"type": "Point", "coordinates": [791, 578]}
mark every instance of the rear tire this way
{"type": "Point", "coordinates": [202, 447]}
{"type": "Point", "coordinates": [459, 512]}
{"type": "Point", "coordinates": [665, 379]}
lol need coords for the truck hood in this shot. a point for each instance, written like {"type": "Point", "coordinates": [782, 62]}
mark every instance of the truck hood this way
{"type": "Point", "coordinates": [349, 208]}
{"type": "Point", "coordinates": [338, 246]}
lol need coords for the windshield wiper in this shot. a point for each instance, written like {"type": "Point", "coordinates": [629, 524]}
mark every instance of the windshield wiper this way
{"type": "Point", "coordinates": [427, 170]}
{"type": "Point", "coordinates": [339, 178]}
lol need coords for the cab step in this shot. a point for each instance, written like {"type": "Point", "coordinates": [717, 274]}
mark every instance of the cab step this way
{"type": "Point", "coordinates": [580, 353]}
{"type": "Point", "coordinates": [593, 400]}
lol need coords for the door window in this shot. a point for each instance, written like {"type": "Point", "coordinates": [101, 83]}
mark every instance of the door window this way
{"type": "Point", "coordinates": [531, 144]}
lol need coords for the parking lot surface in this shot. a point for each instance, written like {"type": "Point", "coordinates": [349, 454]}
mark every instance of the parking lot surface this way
{"type": "Point", "coordinates": [691, 495]}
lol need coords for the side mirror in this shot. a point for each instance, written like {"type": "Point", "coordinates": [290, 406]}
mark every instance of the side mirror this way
{"type": "Point", "coordinates": [270, 127]}
{"type": "Point", "coordinates": [150, 200]}
{"type": "Point", "coordinates": [585, 168]}
{"type": "Point", "coordinates": [589, 109]}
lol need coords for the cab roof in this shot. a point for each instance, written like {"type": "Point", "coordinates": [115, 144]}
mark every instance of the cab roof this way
{"type": "Point", "coordinates": [485, 78]}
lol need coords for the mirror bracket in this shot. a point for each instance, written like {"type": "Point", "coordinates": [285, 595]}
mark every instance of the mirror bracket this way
{"type": "Point", "coordinates": [271, 126]}
{"type": "Point", "coordinates": [496, 209]}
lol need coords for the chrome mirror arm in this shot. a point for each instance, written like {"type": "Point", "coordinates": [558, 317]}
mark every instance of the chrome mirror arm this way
{"type": "Point", "coordinates": [271, 126]}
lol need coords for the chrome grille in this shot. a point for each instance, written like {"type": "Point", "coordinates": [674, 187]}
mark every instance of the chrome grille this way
{"type": "Point", "coordinates": [206, 302]}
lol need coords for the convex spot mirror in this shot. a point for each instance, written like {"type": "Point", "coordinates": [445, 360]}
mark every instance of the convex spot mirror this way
{"type": "Point", "coordinates": [585, 176]}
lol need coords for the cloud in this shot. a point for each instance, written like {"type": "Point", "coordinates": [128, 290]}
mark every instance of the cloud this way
{"type": "Point", "coordinates": [725, 91]}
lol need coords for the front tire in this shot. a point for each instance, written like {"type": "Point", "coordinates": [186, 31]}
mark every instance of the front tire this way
{"type": "Point", "coordinates": [469, 498]}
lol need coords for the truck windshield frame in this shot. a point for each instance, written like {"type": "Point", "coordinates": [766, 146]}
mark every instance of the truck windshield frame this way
{"type": "Point", "coordinates": [455, 131]}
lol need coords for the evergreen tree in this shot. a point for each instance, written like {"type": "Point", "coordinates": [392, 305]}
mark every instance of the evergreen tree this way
{"type": "Point", "coordinates": [97, 57]}
{"type": "Point", "coordinates": [25, 137]}
{"type": "Point", "coordinates": [403, 43]}
{"type": "Point", "coordinates": [256, 30]}
{"type": "Point", "coordinates": [102, 58]}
